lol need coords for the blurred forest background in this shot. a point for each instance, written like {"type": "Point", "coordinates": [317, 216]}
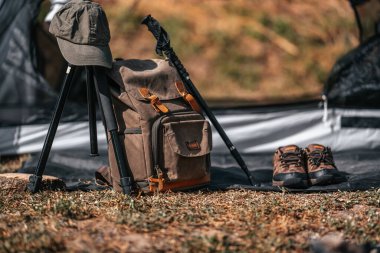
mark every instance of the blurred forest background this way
{"type": "Point", "coordinates": [243, 50]}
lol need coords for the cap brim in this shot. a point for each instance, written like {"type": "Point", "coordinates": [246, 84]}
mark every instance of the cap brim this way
{"type": "Point", "coordinates": [85, 55]}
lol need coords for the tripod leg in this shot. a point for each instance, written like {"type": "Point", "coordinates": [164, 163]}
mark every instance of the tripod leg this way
{"type": "Point", "coordinates": [35, 179]}
{"type": "Point", "coordinates": [105, 104]}
{"type": "Point", "coordinates": [91, 112]}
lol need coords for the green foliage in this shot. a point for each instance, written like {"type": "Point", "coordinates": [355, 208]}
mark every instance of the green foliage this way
{"type": "Point", "coordinates": [180, 33]}
{"type": "Point", "coordinates": [234, 64]}
{"type": "Point", "coordinates": [240, 68]}
{"type": "Point", "coordinates": [254, 34]}
{"type": "Point", "coordinates": [315, 69]}
{"type": "Point", "coordinates": [260, 49]}
{"type": "Point", "coordinates": [238, 10]}
{"type": "Point", "coordinates": [127, 22]}
{"type": "Point", "coordinates": [279, 25]}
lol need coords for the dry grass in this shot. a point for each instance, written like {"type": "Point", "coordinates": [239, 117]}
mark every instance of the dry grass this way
{"type": "Point", "coordinates": [231, 221]}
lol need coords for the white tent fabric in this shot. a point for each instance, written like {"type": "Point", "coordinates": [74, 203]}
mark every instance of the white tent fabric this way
{"type": "Point", "coordinates": [264, 132]}
{"type": "Point", "coordinates": [250, 132]}
{"type": "Point", "coordinates": [30, 138]}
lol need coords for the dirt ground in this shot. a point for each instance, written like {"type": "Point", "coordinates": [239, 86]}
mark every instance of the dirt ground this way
{"type": "Point", "coordinates": [229, 221]}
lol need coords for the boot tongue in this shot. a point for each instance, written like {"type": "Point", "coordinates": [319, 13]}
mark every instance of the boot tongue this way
{"type": "Point", "coordinates": [313, 147]}
{"type": "Point", "coordinates": [290, 148]}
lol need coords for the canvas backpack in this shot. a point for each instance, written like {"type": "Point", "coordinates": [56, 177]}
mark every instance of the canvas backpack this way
{"type": "Point", "coordinates": [167, 140]}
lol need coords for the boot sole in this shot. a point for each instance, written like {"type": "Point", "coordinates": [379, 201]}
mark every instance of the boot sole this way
{"type": "Point", "coordinates": [322, 180]}
{"type": "Point", "coordinates": [325, 177]}
{"type": "Point", "coordinates": [291, 183]}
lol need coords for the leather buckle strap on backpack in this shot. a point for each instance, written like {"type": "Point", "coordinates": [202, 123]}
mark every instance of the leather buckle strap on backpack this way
{"type": "Point", "coordinates": [159, 184]}
{"type": "Point", "coordinates": [154, 100]}
{"type": "Point", "coordinates": [156, 184]}
{"type": "Point", "coordinates": [187, 96]}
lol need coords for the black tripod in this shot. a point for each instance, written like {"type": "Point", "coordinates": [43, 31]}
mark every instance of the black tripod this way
{"type": "Point", "coordinates": [95, 77]}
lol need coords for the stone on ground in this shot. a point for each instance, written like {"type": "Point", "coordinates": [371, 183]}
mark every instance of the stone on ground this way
{"type": "Point", "coordinates": [18, 182]}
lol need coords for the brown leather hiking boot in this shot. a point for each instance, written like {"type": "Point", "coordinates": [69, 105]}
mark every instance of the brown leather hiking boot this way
{"type": "Point", "coordinates": [289, 168]}
{"type": "Point", "coordinates": [320, 165]}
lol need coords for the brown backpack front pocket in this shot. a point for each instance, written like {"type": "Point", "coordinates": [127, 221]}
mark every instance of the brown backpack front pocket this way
{"type": "Point", "coordinates": [186, 146]}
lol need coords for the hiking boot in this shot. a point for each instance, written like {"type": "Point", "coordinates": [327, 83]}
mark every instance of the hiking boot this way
{"type": "Point", "coordinates": [289, 168]}
{"type": "Point", "coordinates": [320, 165]}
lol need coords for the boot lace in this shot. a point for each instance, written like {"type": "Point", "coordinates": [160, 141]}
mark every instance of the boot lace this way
{"type": "Point", "coordinates": [321, 156]}
{"type": "Point", "coordinates": [290, 158]}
